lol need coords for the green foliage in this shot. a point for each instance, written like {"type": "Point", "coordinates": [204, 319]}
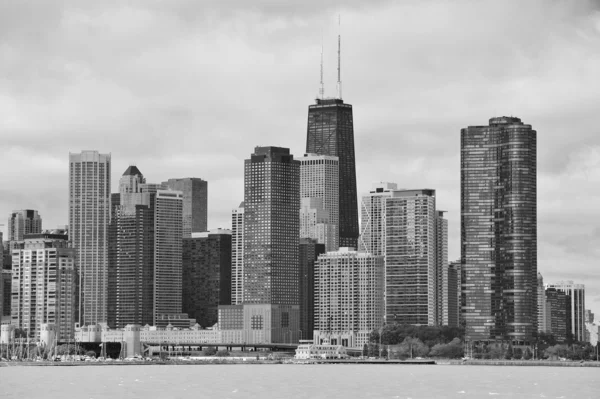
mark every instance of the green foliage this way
{"type": "Point", "coordinates": [509, 352]}
{"type": "Point", "coordinates": [69, 350]}
{"type": "Point", "coordinates": [394, 334]}
{"type": "Point", "coordinates": [209, 351]}
{"type": "Point", "coordinates": [365, 351]}
{"type": "Point", "coordinates": [373, 350]}
{"type": "Point", "coordinates": [412, 347]}
{"type": "Point", "coordinates": [90, 353]}
{"type": "Point", "coordinates": [451, 350]}
{"type": "Point", "coordinates": [20, 333]}
{"type": "Point", "coordinates": [496, 351]}
{"type": "Point", "coordinates": [222, 353]}
{"type": "Point", "coordinates": [527, 355]}
{"type": "Point", "coordinates": [517, 353]}
{"type": "Point", "coordinates": [384, 352]}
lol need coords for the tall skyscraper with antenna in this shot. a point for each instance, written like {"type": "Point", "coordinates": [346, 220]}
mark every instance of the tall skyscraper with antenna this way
{"type": "Point", "coordinates": [331, 132]}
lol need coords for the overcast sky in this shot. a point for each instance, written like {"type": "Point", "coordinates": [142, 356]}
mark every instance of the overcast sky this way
{"type": "Point", "coordinates": [188, 88]}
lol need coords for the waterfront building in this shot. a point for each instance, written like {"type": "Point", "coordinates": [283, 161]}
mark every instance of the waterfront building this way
{"type": "Point", "coordinates": [319, 194]}
{"type": "Point", "coordinates": [310, 250]}
{"type": "Point", "coordinates": [89, 216]}
{"type": "Point", "coordinates": [315, 351]}
{"type": "Point", "coordinates": [167, 253]}
{"type": "Point", "coordinates": [330, 132]}
{"type": "Point", "coordinates": [315, 222]}
{"type": "Point", "coordinates": [442, 294]}
{"type": "Point", "coordinates": [44, 285]}
{"type": "Point", "coordinates": [195, 203]}
{"type": "Point", "coordinates": [557, 303]}
{"type": "Point", "coordinates": [372, 207]}
{"type": "Point", "coordinates": [499, 230]}
{"type": "Point", "coordinates": [348, 297]}
{"type": "Point", "coordinates": [575, 308]}
{"type": "Point", "coordinates": [454, 294]}
{"type": "Point", "coordinates": [237, 255]}
{"type": "Point", "coordinates": [206, 275]}
{"type": "Point", "coordinates": [131, 253]}
{"type": "Point", "coordinates": [26, 221]}
{"type": "Point", "coordinates": [270, 307]}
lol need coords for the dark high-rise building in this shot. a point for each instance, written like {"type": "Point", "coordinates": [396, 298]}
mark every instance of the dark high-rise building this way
{"type": "Point", "coordinates": [331, 132]}
{"type": "Point", "coordinates": [195, 200]}
{"type": "Point", "coordinates": [499, 230]}
{"type": "Point", "coordinates": [309, 252]}
{"type": "Point", "coordinates": [558, 303]}
{"type": "Point", "coordinates": [206, 275]}
{"type": "Point", "coordinates": [131, 253]}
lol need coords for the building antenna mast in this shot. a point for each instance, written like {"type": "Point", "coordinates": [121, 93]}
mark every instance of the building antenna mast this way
{"type": "Point", "coordinates": [339, 81]}
{"type": "Point", "coordinates": [322, 88]}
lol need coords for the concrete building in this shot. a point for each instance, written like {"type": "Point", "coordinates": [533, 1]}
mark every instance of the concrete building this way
{"type": "Point", "coordinates": [270, 309]}
{"type": "Point", "coordinates": [454, 297]}
{"type": "Point", "coordinates": [26, 221]}
{"type": "Point", "coordinates": [589, 316]}
{"type": "Point", "coordinates": [372, 228]}
{"type": "Point", "coordinates": [575, 308]}
{"type": "Point", "coordinates": [167, 253]}
{"type": "Point", "coordinates": [557, 302]}
{"type": "Point", "coordinates": [44, 285]}
{"type": "Point", "coordinates": [237, 255]}
{"type": "Point", "coordinates": [206, 275]}
{"type": "Point", "coordinates": [319, 194]}
{"type": "Point", "coordinates": [330, 132]}
{"type": "Point", "coordinates": [499, 231]}
{"type": "Point", "coordinates": [131, 253]}
{"type": "Point", "coordinates": [348, 297]}
{"type": "Point", "coordinates": [541, 300]}
{"type": "Point", "coordinates": [442, 283]}
{"type": "Point", "coordinates": [315, 223]}
{"type": "Point", "coordinates": [309, 252]}
{"type": "Point", "coordinates": [195, 203]}
{"type": "Point", "coordinates": [89, 216]}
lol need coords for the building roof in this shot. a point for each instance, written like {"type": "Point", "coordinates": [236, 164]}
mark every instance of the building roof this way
{"type": "Point", "coordinates": [132, 170]}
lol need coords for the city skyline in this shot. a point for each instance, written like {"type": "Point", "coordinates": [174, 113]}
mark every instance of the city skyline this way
{"type": "Point", "coordinates": [407, 125]}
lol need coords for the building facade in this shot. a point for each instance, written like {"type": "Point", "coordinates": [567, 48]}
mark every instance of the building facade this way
{"type": "Point", "coordinates": [557, 303]}
{"type": "Point", "coordinates": [319, 193]}
{"type": "Point", "coordinates": [575, 308]}
{"type": "Point", "coordinates": [331, 132]}
{"type": "Point", "coordinates": [454, 284]}
{"type": "Point", "coordinates": [168, 235]}
{"type": "Point", "coordinates": [499, 230]}
{"type": "Point", "coordinates": [348, 297]}
{"type": "Point", "coordinates": [195, 203]}
{"type": "Point", "coordinates": [44, 285]}
{"type": "Point", "coordinates": [310, 250]}
{"type": "Point", "coordinates": [89, 216]}
{"type": "Point", "coordinates": [26, 221]}
{"type": "Point", "coordinates": [237, 255]}
{"type": "Point", "coordinates": [442, 283]}
{"type": "Point", "coordinates": [206, 275]}
{"type": "Point", "coordinates": [542, 312]}
{"type": "Point", "coordinates": [372, 207]}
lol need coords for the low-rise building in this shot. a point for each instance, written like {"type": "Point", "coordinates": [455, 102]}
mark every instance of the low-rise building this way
{"type": "Point", "coordinates": [324, 351]}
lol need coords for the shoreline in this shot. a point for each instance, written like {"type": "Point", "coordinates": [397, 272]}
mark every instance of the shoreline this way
{"type": "Point", "coordinates": [224, 361]}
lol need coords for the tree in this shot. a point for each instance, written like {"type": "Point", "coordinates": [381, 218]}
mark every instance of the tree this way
{"type": "Point", "coordinates": [557, 351]}
{"type": "Point", "coordinates": [496, 351]}
{"type": "Point", "coordinates": [384, 352]}
{"type": "Point", "coordinates": [209, 351]}
{"type": "Point", "coordinates": [90, 353]}
{"type": "Point", "coordinates": [509, 352]}
{"type": "Point", "coordinates": [222, 353]}
{"type": "Point", "coordinates": [517, 353]}
{"type": "Point", "coordinates": [450, 350]}
{"type": "Point", "coordinates": [373, 350]}
{"type": "Point", "coordinates": [365, 351]}
{"type": "Point", "coordinates": [20, 333]}
{"type": "Point", "coordinates": [527, 355]}
{"type": "Point", "coordinates": [413, 347]}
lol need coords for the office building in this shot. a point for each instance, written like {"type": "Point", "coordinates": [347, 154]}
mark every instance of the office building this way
{"type": "Point", "coordinates": [270, 308]}
{"type": "Point", "coordinates": [348, 297]}
{"type": "Point", "coordinates": [319, 194]}
{"type": "Point", "coordinates": [331, 132]}
{"type": "Point", "coordinates": [206, 275]}
{"type": "Point", "coordinates": [168, 236]}
{"type": "Point", "coordinates": [131, 253]}
{"type": "Point", "coordinates": [575, 308]}
{"type": "Point", "coordinates": [310, 250]}
{"type": "Point", "coordinates": [26, 221]}
{"type": "Point", "coordinates": [89, 216]}
{"type": "Point", "coordinates": [557, 302]}
{"type": "Point", "coordinates": [44, 285]}
{"type": "Point", "coordinates": [237, 255]}
{"type": "Point", "coordinates": [195, 203]}
{"type": "Point", "coordinates": [499, 231]}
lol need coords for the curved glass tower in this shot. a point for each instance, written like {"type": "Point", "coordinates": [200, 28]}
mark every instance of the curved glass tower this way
{"type": "Point", "coordinates": [499, 231]}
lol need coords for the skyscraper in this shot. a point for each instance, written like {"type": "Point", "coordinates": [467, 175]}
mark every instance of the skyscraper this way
{"type": "Point", "coordinates": [348, 297]}
{"type": "Point", "coordinates": [372, 209]}
{"type": "Point", "coordinates": [131, 253]}
{"type": "Point", "coordinates": [319, 181]}
{"type": "Point", "coordinates": [441, 267]}
{"type": "Point", "coordinates": [499, 230]}
{"type": "Point", "coordinates": [331, 132]}
{"type": "Point", "coordinates": [168, 237]}
{"type": "Point", "coordinates": [575, 308]}
{"type": "Point", "coordinates": [316, 224]}
{"type": "Point", "coordinates": [542, 311]}
{"type": "Point", "coordinates": [206, 275]}
{"type": "Point", "coordinates": [44, 285]}
{"type": "Point", "coordinates": [195, 200]}
{"type": "Point", "coordinates": [89, 215]}
{"type": "Point", "coordinates": [237, 255]}
{"type": "Point", "coordinates": [26, 221]}
{"type": "Point", "coordinates": [454, 285]}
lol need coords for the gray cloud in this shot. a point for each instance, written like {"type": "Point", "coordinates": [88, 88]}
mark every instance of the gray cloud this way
{"type": "Point", "coordinates": [187, 88]}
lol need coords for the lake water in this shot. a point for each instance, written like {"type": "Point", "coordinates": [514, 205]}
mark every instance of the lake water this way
{"type": "Point", "coordinates": [299, 381]}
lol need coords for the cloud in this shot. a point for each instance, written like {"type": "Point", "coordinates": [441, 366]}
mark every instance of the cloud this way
{"type": "Point", "coordinates": [187, 88]}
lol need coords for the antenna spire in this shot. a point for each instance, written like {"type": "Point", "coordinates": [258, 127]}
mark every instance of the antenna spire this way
{"type": "Point", "coordinates": [322, 88]}
{"type": "Point", "coordinates": [339, 81]}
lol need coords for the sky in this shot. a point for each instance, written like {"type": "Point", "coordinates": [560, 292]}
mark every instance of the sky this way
{"type": "Point", "coordinates": [183, 88]}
